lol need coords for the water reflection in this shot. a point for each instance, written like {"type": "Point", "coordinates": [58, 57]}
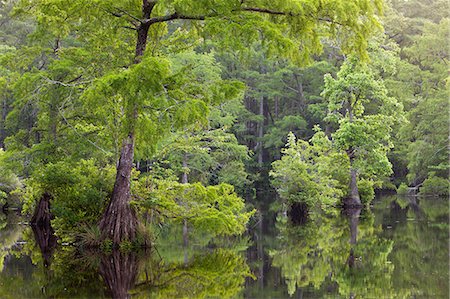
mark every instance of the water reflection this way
{"type": "Point", "coordinates": [397, 250]}
{"type": "Point", "coordinates": [360, 254]}
{"type": "Point", "coordinates": [119, 271]}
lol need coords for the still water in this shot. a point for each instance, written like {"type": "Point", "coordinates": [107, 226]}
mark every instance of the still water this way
{"type": "Point", "coordinates": [398, 249]}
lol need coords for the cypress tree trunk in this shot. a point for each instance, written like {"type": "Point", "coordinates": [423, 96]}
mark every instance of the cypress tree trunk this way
{"type": "Point", "coordinates": [42, 215]}
{"type": "Point", "coordinates": [353, 199]}
{"type": "Point", "coordinates": [119, 221]}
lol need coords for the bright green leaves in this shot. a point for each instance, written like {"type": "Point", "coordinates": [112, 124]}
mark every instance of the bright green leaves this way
{"type": "Point", "coordinates": [306, 173]}
{"type": "Point", "coordinates": [366, 116]}
{"type": "Point", "coordinates": [214, 209]}
{"type": "Point", "coordinates": [159, 95]}
{"type": "Point", "coordinates": [209, 156]}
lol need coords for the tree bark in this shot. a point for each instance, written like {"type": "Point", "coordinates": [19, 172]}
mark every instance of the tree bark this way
{"type": "Point", "coordinates": [353, 199]}
{"type": "Point", "coordinates": [42, 215]}
{"type": "Point", "coordinates": [119, 221]}
{"type": "Point", "coordinates": [261, 133]}
{"type": "Point", "coordinates": [184, 180]}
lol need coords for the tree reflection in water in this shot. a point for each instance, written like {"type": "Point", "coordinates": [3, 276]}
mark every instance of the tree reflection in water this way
{"type": "Point", "coordinates": [335, 255]}
{"type": "Point", "coordinates": [119, 271]}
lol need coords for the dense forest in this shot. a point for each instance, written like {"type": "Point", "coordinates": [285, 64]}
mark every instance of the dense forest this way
{"type": "Point", "coordinates": [119, 116]}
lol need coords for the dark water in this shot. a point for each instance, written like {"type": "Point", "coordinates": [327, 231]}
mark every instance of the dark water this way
{"type": "Point", "coordinates": [398, 249]}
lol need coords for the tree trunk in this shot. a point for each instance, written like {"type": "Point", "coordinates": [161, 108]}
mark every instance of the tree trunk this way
{"type": "Point", "coordinates": [119, 221]}
{"type": "Point", "coordinates": [261, 133]}
{"type": "Point", "coordinates": [353, 199]}
{"type": "Point", "coordinates": [42, 215]}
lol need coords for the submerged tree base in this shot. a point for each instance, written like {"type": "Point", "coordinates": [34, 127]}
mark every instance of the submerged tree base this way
{"type": "Point", "coordinates": [119, 223]}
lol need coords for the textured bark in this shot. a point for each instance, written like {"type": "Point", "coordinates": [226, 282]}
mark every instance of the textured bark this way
{"type": "Point", "coordinates": [353, 199]}
{"type": "Point", "coordinates": [119, 271]}
{"type": "Point", "coordinates": [184, 180]}
{"type": "Point", "coordinates": [119, 221]}
{"type": "Point", "coordinates": [42, 229]}
{"type": "Point", "coordinates": [42, 215]}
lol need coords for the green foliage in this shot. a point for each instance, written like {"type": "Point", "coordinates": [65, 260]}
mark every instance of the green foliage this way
{"type": "Point", "coordinates": [305, 173]}
{"type": "Point", "coordinates": [435, 186]}
{"type": "Point", "coordinates": [209, 157]}
{"type": "Point", "coordinates": [366, 191]}
{"type": "Point", "coordinates": [80, 192]}
{"type": "Point", "coordinates": [8, 179]}
{"type": "Point", "coordinates": [359, 103]}
{"type": "Point", "coordinates": [213, 209]}
{"type": "Point", "coordinates": [402, 189]}
{"type": "Point", "coordinates": [89, 236]}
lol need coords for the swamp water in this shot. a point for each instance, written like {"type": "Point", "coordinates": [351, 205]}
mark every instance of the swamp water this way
{"type": "Point", "coordinates": [398, 249]}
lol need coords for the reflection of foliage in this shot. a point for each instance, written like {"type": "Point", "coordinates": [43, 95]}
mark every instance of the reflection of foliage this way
{"type": "Point", "coordinates": [316, 254]}
{"type": "Point", "coordinates": [372, 273]}
{"type": "Point", "coordinates": [220, 273]}
{"type": "Point", "coordinates": [217, 272]}
{"type": "Point", "coordinates": [420, 252]}
{"type": "Point", "coordinates": [10, 233]}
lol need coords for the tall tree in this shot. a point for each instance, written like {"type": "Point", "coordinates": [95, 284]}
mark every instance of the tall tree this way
{"type": "Point", "coordinates": [366, 114]}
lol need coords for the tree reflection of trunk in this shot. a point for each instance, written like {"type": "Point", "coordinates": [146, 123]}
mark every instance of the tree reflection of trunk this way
{"type": "Point", "coordinates": [298, 213]}
{"type": "Point", "coordinates": [119, 271]}
{"type": "Point", "coordinates": [353, 214]}
{"type": "Point", "coordinates": [185, 242]}
{"type": "Point", "coordinates": [414, 206]}
{"type": "Point", "coordinates": [42, 229]}
{"type": "Point", "coordinates": [260, 251]}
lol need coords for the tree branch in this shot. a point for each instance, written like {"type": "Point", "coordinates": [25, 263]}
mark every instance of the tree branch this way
{"type": "Point", "coordinates": [177, 16]}
{"type": "Point", "coordinates": [267, 11]}
{"type": "Point", "coordinates": [174, 16]}
{"type": "Point", "coordinates": [124, 12]}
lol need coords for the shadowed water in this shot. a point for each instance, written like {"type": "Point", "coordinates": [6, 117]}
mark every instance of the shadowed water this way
{"type": "Point", "coordinates": [397, 249]}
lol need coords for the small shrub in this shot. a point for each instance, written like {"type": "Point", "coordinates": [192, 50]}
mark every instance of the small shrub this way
{"type": "Point", "coordinates": [107, 245]}
{"type": "Point", "coordinates": [3, 197]}
{"type": "Point", "coordinates": [435, 186]}
{"type": "Point", "coordinates": [90, 236]}
{"type": "Point", "coordinates": [366, 192]}
{"type": "Point", "coordinates": [125, 246]}
{"type": "Point", "coordinates": [402, 189]}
